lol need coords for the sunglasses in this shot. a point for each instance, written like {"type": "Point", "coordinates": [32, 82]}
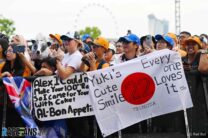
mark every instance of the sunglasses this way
{"type": "Point", "coordinates": [96, 46]}
{"type": "Point", "coordinates": [66, 42]}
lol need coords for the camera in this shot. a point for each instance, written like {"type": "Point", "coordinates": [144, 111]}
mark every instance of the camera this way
{"type": "Point", "coordinates": [19, 49]}
{"type": "Point", "coordinates": [86, 61]}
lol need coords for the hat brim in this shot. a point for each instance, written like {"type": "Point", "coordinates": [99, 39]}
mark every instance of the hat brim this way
{"type": "Point", "coordinates": [96, 44]}
{"type": "Point", "coordinates": [79, 41]}
{"type": "Point", "coordinates": [64, 37]}
{"type": "Point", "coordinates": [53, 36]}
{"type": "Point", "coordinates": [125, 38]}
{"type": "Point", "coordinates": [160, 37]}
{"type": "Point", "coordinates": [85, 37]}
{"type": "Point", "coordinates": [192, 40]}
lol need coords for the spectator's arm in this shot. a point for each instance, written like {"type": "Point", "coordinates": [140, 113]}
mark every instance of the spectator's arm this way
{"type": "Point", "coordinates": [5, 74]}
{"type": "Point", "coordinates": [83, 67]}
{"type": "Point", "coordinates": [64, 72]}
{"type": "Point", "coordinates": [203, 63]}
{"type": "Point", "coordinates": [92, 66]}
{"type": "Point", "coordinates": [43, 72]}
{"type": "Point", "coordinates": [27, 63]}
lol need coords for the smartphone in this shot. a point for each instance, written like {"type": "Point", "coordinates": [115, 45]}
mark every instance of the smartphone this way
{"type": "Point", "coordinates": [149, 40]}
{"type": "Point", "coordinates": [19, 49]}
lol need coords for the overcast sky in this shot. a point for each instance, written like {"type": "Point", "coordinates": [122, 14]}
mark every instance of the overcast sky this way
{"type": "Point", "coordinates": [113, 17]}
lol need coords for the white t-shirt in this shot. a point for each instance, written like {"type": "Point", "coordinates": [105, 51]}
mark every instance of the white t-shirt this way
{"type": "Point", "coordinates": [121, 58]}
{"type": "Point", "coordinates": [117, 59]}
{"type": "Point", "coordinates": [72, 60]}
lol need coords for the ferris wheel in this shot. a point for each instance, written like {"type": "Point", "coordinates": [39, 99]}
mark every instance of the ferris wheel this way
{"type": "Point", "coordinates": [100, 7]}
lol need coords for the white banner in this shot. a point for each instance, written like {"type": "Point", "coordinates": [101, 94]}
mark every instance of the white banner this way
{"type": "Point", "coordinates": [139, 89]}
{"type": "Point", "coordinates": [56, 99]}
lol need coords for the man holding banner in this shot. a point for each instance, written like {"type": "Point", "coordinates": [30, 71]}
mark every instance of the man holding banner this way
{"type": "Point", "coordinates": [130, 45]}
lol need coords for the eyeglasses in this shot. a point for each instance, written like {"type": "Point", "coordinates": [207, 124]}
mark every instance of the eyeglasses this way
{"type": "Point", "coordinates": [118, 45]}
{"type": "Point", "coordinates": [8, 51]}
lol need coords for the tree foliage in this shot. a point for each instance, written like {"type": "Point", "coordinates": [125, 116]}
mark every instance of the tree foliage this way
{"type": "Point", "coordinates": [94, 32]}
{"type": "Point", "coordinates": [6, 26]}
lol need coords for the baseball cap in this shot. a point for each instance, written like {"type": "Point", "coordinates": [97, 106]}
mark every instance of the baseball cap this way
{"type": "Point", "coordinates": [85, 36]}
{"type": "Point", "coordinates": [57, 37]}
{"type": "Point", "coordinates": [69, 35]}
{"type": "Point", "coordinates": [194, 39]}
{"type": "Point", "coordinates": [101, 41]}
{"type": "Point", "coordinates": [204, 39]}
{"type": "Point", "coordinates": [130, 38]}
{"type": "Point", "coordinates": [166, 38]}
{"type": "Point", "coordinates": [112, 46]}
{"type": "Point", "coordinates": [173, 36]}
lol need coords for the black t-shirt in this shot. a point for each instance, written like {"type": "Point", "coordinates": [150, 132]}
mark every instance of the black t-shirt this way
{"type": "Point", "coordinates": [194, 65]}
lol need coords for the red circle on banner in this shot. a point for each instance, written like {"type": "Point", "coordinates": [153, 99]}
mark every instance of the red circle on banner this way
{"type": "Point", "coordinates": [138, 88]}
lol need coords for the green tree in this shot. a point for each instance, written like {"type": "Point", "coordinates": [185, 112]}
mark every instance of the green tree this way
{"type": "Point", "coordinates": [94, 32]}
{"type": "Point", "coordinates": [6, 26]}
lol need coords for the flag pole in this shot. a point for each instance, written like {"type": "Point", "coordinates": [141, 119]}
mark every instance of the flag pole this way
{"type": "Point", "coordinates": [95, 128]}
{"type": "Point", "coordinates": [204, 80]}
{"type": "Point", "coordinates": [185, 117]}
{"type": "Point", "coordinates": [186, 123]}
{"type": "Point", "coordinates": [119, 134]}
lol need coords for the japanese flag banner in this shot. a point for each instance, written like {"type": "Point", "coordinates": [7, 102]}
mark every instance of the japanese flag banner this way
{"type": "Point", "coordinates": [142, 88]}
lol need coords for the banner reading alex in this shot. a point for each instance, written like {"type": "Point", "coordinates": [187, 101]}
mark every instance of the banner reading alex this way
{"type": "Point", "coordinates": [54, 98]}
{"type": "Point", "coordinates": [143, 88]}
